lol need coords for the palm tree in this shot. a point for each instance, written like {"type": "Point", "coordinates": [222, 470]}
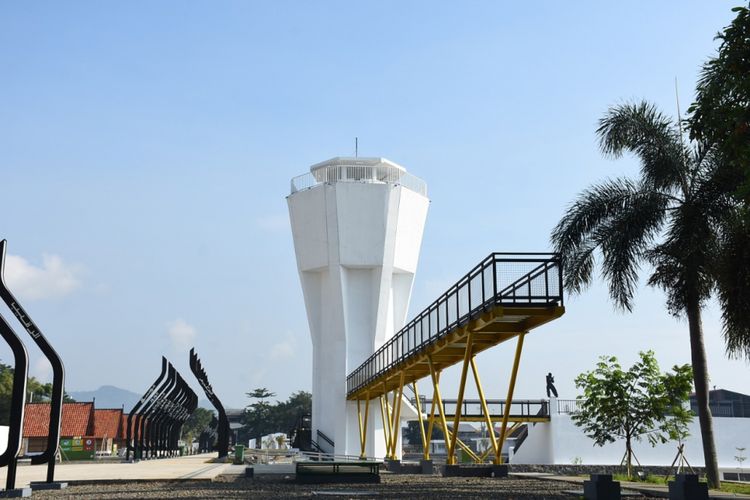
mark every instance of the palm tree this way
{"type": "Point", "coordinates": [670, 218]}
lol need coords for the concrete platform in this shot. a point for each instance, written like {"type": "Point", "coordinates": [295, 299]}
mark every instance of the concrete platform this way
{"type": "Point", "coordinates": [193, 467]}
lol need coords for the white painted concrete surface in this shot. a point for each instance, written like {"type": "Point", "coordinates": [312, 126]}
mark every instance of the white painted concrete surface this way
{"type": "Point", "coordinates": [561, 442]}
{"type": "Point", "coordinates": [357, 242]}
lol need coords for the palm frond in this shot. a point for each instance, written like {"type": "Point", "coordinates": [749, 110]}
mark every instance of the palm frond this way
{"type": "Point", "coordinates": [620, 219]}
{"type": "Point", "coordinates": [734, 285]}
{"type": "Point", "coordinates": [644, 131]}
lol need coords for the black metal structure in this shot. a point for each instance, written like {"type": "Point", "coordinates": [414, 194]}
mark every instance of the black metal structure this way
{"type": "Point", "coordinates": [223, 428]}
{"type": "Point", "coordinates": [58, 371]}
{"type": "Point", "coordinates": [17, 402]}
{"type": "Point", "coordinates": [133, 416]}
{"type": "Point", "coordinates": [501, 279]}
{"type": "Point", "coordinates": [155, 423]}
{"type": "Point", "coordinates": [300, 436]}
{"type": "Point", "coordinates": [471, 409]}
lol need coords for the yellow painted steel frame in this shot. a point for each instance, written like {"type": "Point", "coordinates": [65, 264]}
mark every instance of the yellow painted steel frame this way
{"type": "Point", "coordinates": [511, 387]}
{"type": "Point", "coordinates": [425, 445]}
{"type": "Point", "coordinates": [468, 341]}
{"type": "Point", "coordinates": [363, 427]}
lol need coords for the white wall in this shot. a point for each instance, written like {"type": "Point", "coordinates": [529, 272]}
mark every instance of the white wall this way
{"type": "Point", "coordinates": [566, 441]}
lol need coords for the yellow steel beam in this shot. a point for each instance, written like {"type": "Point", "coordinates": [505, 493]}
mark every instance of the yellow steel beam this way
{"type": "Point", "coordinates": [396, 424]}
{"type": "Point", "coordinates": [485, 409]}
{"type": "Point", "coordinates": [509, 399]}
{"type": "Point", "coordinates": [384, 420]}
{"type": "Point", "coordinates": [363, 427]}
{"type": "Point", "coordinates": [425, 448]}
{"type": "Point", "coordinates": [431, 420]}
{"type": "Point", "coordinates": [461, 386]}
{"type": "Point", "coordinates": [439, 402]}
{"type": "Point", "coordinates": [361, 432]}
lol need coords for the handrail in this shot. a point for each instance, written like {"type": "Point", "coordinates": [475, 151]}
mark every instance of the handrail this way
{"type": "Point", "coordinates": [496, 407]}
{"type": "Point", "coordinates": [325, 438]}
{"type": "Point", "coordinates": [523, 279]}
{"type": "Point", "coordinates": [378, 174]}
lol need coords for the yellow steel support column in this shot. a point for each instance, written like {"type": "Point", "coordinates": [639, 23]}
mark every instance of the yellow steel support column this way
{"type": "Point", "coordinates": [385, 421]}
{"type": "Point", "coordinates": [509, 399]}
{"type": "Point", "coordinates": [396, 426]}
{"type": "Point", "coordinates": [438, 400]}
{"type": "Point", "coordinates": [363, 427]}
{"type": "Point", "coordinates": [485, 409]}
{"type": "Point", "coordinates": [462, 445]}
{"type": "Point", "coordinates": [361, 433]}
{"type": "Point", "coordinates": [426, 451]}
{"type": "Point", "coordinates": [456, 419]}
{"type": "Point", "coordinates": [432, 419]}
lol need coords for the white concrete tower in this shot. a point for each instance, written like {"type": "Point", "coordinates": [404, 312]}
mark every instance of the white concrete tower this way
{"type": "Point", "coordinates": [357, 226]}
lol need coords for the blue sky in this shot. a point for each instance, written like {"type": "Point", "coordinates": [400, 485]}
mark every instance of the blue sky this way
{"type": "Point", "coordinates": [146, 150]}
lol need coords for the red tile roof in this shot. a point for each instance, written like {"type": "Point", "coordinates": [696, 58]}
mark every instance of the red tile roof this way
{"type": "Point", "coordinates": [107, 423]}
{"type": "Point", "coordinates": [77, 420]}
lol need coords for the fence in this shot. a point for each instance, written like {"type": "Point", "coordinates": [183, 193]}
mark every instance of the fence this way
{"type": "Point", "coordinates": [382, 174]}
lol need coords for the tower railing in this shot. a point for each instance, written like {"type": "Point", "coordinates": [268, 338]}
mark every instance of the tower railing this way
{"type": "Point", "coordinates": [383, 174]}
{"type": "Point", "coordinates": [501, 279]}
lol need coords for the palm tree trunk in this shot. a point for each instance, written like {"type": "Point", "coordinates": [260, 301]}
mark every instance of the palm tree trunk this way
{"type": "Point", "coordinates": [700, 378]}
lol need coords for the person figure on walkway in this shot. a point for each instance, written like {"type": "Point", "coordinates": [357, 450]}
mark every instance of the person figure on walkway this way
{"type": "Point", "coordinates": [551, 385]}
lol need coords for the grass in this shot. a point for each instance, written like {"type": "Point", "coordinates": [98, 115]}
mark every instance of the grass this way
{"type": "Point", "coordinates": [653, 479]}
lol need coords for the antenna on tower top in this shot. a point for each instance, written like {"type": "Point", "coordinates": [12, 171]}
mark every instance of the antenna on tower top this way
{"type": "Point", "coordinates": [356, 147]}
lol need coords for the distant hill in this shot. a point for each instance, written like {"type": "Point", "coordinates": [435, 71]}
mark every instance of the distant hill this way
{"type": "Point", "coordinates": [108, 396]}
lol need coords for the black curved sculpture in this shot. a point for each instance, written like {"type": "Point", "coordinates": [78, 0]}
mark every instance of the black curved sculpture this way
{"type": "Point", "coordinates": [223, 427]}
{"type": "Point", "coordinates": [156, 421]}
{"type": "Point", "coordinates": [135, 411]}
{"type": "Point", "coordinates": [17, 402]}
{"type": "Point", "coordinates": [58, 372]}
{"type": "Point", "coordinates": [150, 410]}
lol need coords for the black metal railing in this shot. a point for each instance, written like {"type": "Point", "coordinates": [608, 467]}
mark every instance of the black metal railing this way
{"type": "Point", "coordinates": [495, 407]}
{"type": "Point", "coordinates": [569, 405]}
{"type": "Point", "coordinates": [507, 279]}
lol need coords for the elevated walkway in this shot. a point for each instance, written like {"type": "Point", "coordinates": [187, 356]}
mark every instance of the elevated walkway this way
{"type": "Point", "coordinates": [503, 297]}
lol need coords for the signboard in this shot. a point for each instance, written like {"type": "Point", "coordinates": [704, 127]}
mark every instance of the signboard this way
{"type": "Point", "coordinates": [77, 448]}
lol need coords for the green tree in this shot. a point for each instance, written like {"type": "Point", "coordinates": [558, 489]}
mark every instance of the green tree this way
{"type": "Point", "coordinates": [36, 392]}
{"type": "Point", "coordinates": [413, 435]}
{"type": "Point", "coordinates": [720, 116]}
{"type": "Point", "coordinates": [671, 218]}
{"type": "Point", "coordinates": [633, 404]}
{"type": "Point", "coordinates": [261, 417]}
{"type": "Point", "coordinates": [257, 419]}
{"type": "Point", "coordinates": [196, 423]}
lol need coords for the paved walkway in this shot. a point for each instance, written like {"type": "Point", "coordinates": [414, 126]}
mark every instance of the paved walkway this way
{"type": "Point", "coordinates": [189, 467]}
{"type": "Point", "coordinates": [654, 490]}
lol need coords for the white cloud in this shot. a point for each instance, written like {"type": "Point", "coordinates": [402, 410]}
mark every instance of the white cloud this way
{"type": "Point", "coordinates": [53, 279]}
{"type": "Point", "coordinates": [282, 350]}
{"type": "Point", "coordinates": [273, 222]}
{"type": "Point", "coordinates": [41, 370]}
{"type": "Point", "coordinates": [181, 334]}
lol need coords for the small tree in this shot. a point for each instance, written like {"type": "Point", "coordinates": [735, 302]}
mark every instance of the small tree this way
{"type": "Point", "coordinates": [633, 404]}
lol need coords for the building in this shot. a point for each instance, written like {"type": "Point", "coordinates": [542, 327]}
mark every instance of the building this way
{"type": "Point", "coordinates": [724, 403]}
{"type": "Point", "coordinates": [108, 428]}
{"type": "Point", "coordinates": [77, 422]}
{"type": "Point", "coordinates": [357, 225]}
